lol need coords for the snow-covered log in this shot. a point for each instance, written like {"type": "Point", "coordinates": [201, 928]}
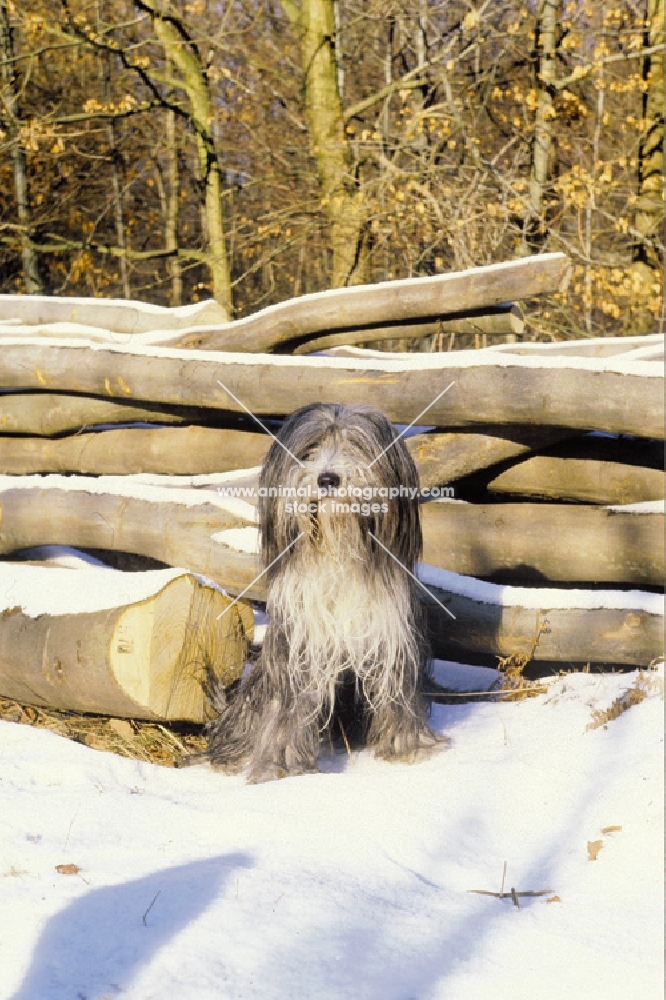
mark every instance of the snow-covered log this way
{"type": "Point", "coordinates": [131, 645]}
{"type": "Point", "coordinates": [439, 296]}
{"type": "Point", "coordinates": [119, 316]}
{"type": "Point", "coordinates": [458, 389]}
{"type": "Point", "coordinates": [566, 543]}
{"type": "Point", "coordinates": [167, 450]}
{"type": "Point", "coordinates": [392, 302]}
{"type": "Point", "coordinates": [562, 626]}
{"type": "Point", "coordinates": [176, 527]}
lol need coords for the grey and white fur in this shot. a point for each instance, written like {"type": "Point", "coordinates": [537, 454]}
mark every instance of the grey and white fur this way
{"type": "Point", "coordinates": [346, 637]}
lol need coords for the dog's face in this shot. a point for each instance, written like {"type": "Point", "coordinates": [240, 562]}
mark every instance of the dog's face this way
{"type": "Point", "coordinates": [339, 477]}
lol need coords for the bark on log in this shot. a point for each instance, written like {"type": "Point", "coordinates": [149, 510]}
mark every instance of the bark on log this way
{"type": "Point", "coordinates": [507, 321]}
{"type": "Point", "coordinates": [586, 480]}
{"type": "Point", "coordinates": [143, 658]}
{"type": "Point", "coordinates": [488, 388]}
{"type": "Point", "coordinates": [441, 296]}
{"type": "Point", "coordinates": [591, 633]}
{"type": "Point", "coordinates": [166, 450]}
{"type": "Point", "coordinates": [545, 541]}
{"type": "Point", "coordinates": [117, 315]}
{"type": "Point", "coordinates": [45, 413]}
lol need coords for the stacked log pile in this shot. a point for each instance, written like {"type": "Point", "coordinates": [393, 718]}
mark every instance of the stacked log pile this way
{"type": "Point", "coordinates": [121, 424]}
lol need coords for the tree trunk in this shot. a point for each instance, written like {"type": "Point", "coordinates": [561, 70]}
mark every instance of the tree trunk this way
{"type": "Point", "coordinates": [314, 21]}
{"type": "Point", "coordinates": [442, 296]}
{"type": "Point", "coordinates": [112, 514]}
{"type": "Point", "coordinates": [503, 321]}
{"type": "Point", "coordinates": [31, 275]}
{"type": "Point", "coordinates": [535, 233]}
{"type": "Point", "coordinates": [171, 221]}
{"type": "Point", "coordinates": [649, 218]}
{"type": "Point", "coordinates": [183, 53]}
{"type": "Point", "coordinates": [105, 74]}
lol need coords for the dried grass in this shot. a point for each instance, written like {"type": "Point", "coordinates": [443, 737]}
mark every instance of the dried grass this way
{"type": "Point", "coordinates": [156, 743]}
{"type": "Point", "coordinates": [648, 684]}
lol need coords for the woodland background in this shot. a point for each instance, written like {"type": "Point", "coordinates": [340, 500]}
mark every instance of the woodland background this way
{"type": "Point", "coordinates": [254, 150]}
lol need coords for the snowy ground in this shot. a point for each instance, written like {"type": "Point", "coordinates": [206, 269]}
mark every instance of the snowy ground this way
{"type": "Point", "coordinates": [352, 883]}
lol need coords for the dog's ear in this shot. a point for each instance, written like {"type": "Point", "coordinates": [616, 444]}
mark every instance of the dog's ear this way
{"type": "Point", "coordinates": [399, 529]}
{"type": "Point", "coordinates": [407, 536]}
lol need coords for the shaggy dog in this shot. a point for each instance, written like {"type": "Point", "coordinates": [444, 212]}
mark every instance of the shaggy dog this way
{"type": "Point", "coordinates": [340, 535]}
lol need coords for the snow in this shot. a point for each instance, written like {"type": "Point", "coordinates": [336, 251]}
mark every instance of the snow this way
{"type": "Point", "coordinates": [129, 486]}
{"type": "Point", "coordinates": [59, 590]}
{"type": "Point", "coordinates": [350, 884]}
{"type": "Point", "coordinates": [242, 539]}
{"type": "Point", "coordinates": [539, 597]}
{"type": "Point", "coordinates": [642, 507]}
{"type": "Point", "coordinates": [402, 364]}
{"type": "Point", "coordinates": [63, 555]}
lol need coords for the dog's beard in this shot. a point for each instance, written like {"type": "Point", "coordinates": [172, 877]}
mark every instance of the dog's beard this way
{"type": "Point", "coordinates": [332, 618]}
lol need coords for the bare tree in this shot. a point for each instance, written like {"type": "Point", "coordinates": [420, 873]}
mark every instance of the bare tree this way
{"type": "Point", "coordinates": [535, 231]}
{"type": "Point", "coordinates": [649, 214]}
{"type": "Point", "coordinates": [314, 22]}
{"type": "Point", "coordinates": [183, 53]}
{"type": "Point", "coordinates": [31, 274]}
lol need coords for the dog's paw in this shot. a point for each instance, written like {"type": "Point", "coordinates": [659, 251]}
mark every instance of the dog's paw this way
{"type": "Point", "coordinates": [272, 770]}
{"type": "Point", "coordinates": [410, 747]}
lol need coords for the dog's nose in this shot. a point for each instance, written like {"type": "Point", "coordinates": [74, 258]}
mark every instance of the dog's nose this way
{"type": "Point", "coordinates": [328, 480]}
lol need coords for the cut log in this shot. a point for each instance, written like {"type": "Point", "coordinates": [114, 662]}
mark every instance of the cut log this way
{"type": "Point", "coordinates": [546, 542]}
{"type": "Point", "coordinates": [441, 296]}
{"type": "Point", "coordinates": [443, 458]}
{"type": "Point", "coordinates": [117, 315]}
{"type": "Point", "coordinates": [46, 413]}
{"type": "Point", "coordinates": [139, 650]}
{"type": "Point", "coordinates": [167, 450]}
{"type": "Point", "coordinates": [176, 527]}
{"type": "Point", "coordinates": [507, 321]}
{"type": "Point", "coordinates": [585, 480]}
{"type": "Point", "coordinates": [561, 626]}
{"type": "Point", "coordinates": [619, 397]}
